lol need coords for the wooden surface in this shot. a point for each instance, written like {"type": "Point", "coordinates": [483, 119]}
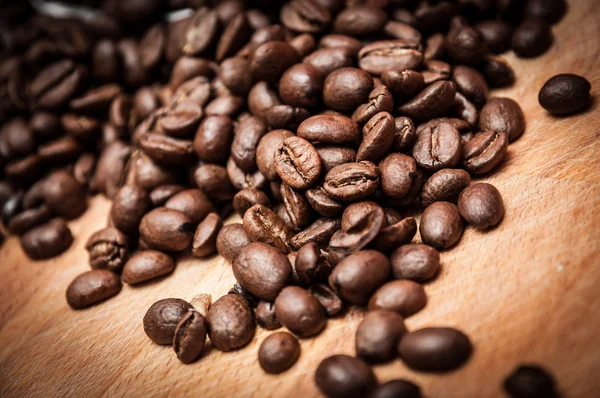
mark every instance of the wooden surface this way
{"type": "Point", "coordinates": [526, 291]}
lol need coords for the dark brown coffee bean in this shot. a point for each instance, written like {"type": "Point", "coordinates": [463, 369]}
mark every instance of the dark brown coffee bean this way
{"type": "Point", "coordinates": [305, 16]}
{"type": "Point", "coordinates": [265, 315]}
{"type": "Point", "coordinates": [341, 376]}
{"type": "Point", "coordinates": [481, 205]}
{"type": "Point", "coordinates": [263, 225]}
{"type": "Point", "coordinates": [377, 336]}
{"type": "Point", "coordinates": [403, 31]}
{"type": "Point", "coordinates": [235, 73]}
{"type": "Point", "coordinates": [201, 31]}
{"type": "Point", "coordinates": [148, 174]}
{"type": "Point", "coordinates": [134, 73]}
{"type": "Point", "coordinates": [310, 266]}
{"type": "Point", "coordinates": [27, 219]}
{"type": "Point", "coordinates": [378, 136]}
{"type": "Point", "coordinates": [380, 100]}
{"type": "Point", "coordinates": [108, 249]}
{"type": "Point", "coordinates": [356, 277]}
{"type": "Point", "coordinates": [109, 169]}
{"type": "Point", "coordinates": [415, 262]}
{"type": "Point", "coordinates": [352, 181]}
{"type": "Point", "coordinates": [321, 202]}
{"type": "Point", "coordinates": [193, 203]}
{"type": "Point", "coordinates": [330, 129]}
{"type": "Point", "coordinates": [405, 135]}
{"type": "Point", "coordinates": [396, 234]}
{"type": "Point", "coordinates": [330, 301]}
{"type": "Point", "coordinates": [360, 21]}
{"type": "Point", "coordinates": [96, 100]}
{"type": "Point", "coordinates": [81, 128]}
{"type": "Point", "coordinates": [327, 60]}
{"type": "Point", "coordinates": [444, 186]}
{"type": "Point", "coordinates": [230, 322]}
{"type": "Point", "coordinates": [267, 149]}
{"type": "Point", "coordinates": [297, 162]}
{"type": "Point", "coordinates": [471, 83]}
{"type": "Point", "coordinates": [146, 265]}
{"type": "Point", "coordinates": [356, 211]}
{"type": "Point", "coordinates": [248, 197]}
{"type": "Point", "coordinates": [550, 11]}
{"type": "Point", "coordinates": [47, 240]}
{"type": "Point", "coordinates": [167, 150]}
{"type": "Point", "coordinates": [83, 169]}
{"type": "Point", "coordinates": [271, 59]}
{"type": "Point", "coordinates": [55, 84]}
{"type": "Point", "coordinates": [304, 44]}
{"type": "Point", "coordinates": [230, 240]}
{"type": "Point", "coordinates": [337, 40]}
{"type": "Point", "coordinates": [398, 173]}
{"type": "Point", "coordinates": [496, 33]}
{"type": "Point", "coordinates": [530, 381]}
{"type": "Point", "coordinates": [25, 170]}
{"type": "Point", "coordinates": [234, 36]}
{"type": "Point", "coordinates": [106, 61]}
{"type": "Point", "coordinates": [130, 204]}
{"type": "Point", "coordinates": [196, 90]}
{"type": "Point", "coordinates": [403, 84]}
{"type": "Point", "coordinates": [92, 287]}
{"type": "Point", "coordinates": [436, 71]}
{"type": "Point", "coordinates": [159, 196]}
{"type": "Point", "coordinates": [285, 117]}
{"type": "Point", "coordinates": [213, 139]}
{"type": "Point", "coordinates": [347, 88]}
{"type": "Point", "coordinates": [465, 45]}
{"type": "Point", "coordinates": [441, 225]}
{"type": "Point", "coordinates": [503, 115]}
{"type": "Point", "coordinates": [435, 349]}
{"type": "Point", "coordinates": [397, 389]}
{"type": "Point", "coordinates": [437, 147]}
{"type": "Point", "coordinates": [278, 352]}
{"type": "Point", "coordinates": [532, 38]}
{"type": "Point", "coordinates": [162, 318]}
{"type": "Point", "coordinates": [296, 206]}
{"type": "Point", "coordinates": [260, 98]}
{"type": "Point", "coordinates": [346, 242]}
{"type": "Point", "coordinates": [435, 47]}
{"type": "Point", "coordinates": [402, 296]}
{"type": "Point", "coordinates": [18, 138]}
{"type": "Point", "coordinates": [381, 56]}
{"type": "Point", "coordinates": [433, 101]}
{"type": "Point", "coordinates": [189, 336]}
{"type": "Point", "coordinates": [226, 105]}
{"type": "Point", "coordinates": [205, 238]}
{"type": "Point", "coordinates": [319, 232]}
{"type": "Point", "coordinates": [152, 46]}
{"type": "Point", "coordinates": [300, 312]}
{"type": "Point", "coordinates": [301, 86]}
{"type": "Point", "coordinates": [465, 109]}
{"type": "Point", "coordinates": [166, 229]}
{"type": "Point", "coordinates": [214, 181]}
{"type": "Point", "coordinates": [59, 151]}
{"type": "Point", "coordinates": [484, 152]}
{"type": "Point", "coordinates": [44, 125]}
{"type": "Point", "coordinates": [565, 94]}
{"type": "Point", "coordinates": [245, 143]}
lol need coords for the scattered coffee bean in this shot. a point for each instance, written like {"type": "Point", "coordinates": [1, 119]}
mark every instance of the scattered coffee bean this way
{"type": "Point", "coordinates": [130, 204]}
{"type": "Point", "coordinates": [502, 115]}
{"type": "Point", "coordinates": [230, 239]}
{"type": "Point", "coordinates": [397, 389]}
{"type": "Point", "coordinates": [352, 181]}
{"type": "Point", "coordinates": [416, 262]}
{"type": "Point", "coordinates": [265, 315]}
{"type": "Point", "coordinates": [189, 337]}
{"type": "Point", "coordinates": [92, 287]}
{"type": "Point", "coordinates": [108, 249]}
{"type": "Point", "coordinates": [377, 336]}
{"type": "Point", "coordinates": [341, 376]}
{"type": "Point", "coordinates": [481, 205]}
{"type": "Point", "coordinates": [205, 238]}
{"type": "Point", "coordinates": [432, 102]}
{"type": "Point", "coordinates": [263, 225]}
{"type": "Point", "coordinates": [278, 352]}
{"type": "Point", "coordinates": [357, 276]}
{"type": "Point", "coordinates": [300, 311]}
{"type": "Point", "coordinates": [230, 322]}
{"type": "Point", "coordinates": [444, 186]}
{"type": "Point", "coordinates": [146, 265]}
{"type": "Point", "coordinates": [166, 229]}
{"type": "Point", "coordinates": [162, 318]}
{"type": "Point", "coordinates": [437, 147]}
{"type": "Point", "coordinates": [392, 236]}
{"type": "Point", "coordinates": [344, 243]}
{"type": "Point", "coordinates": [330, 129]}
{"type": "Point", "coordinates": [404, 297]}
{"type": "Point", "coordinates": [532, 38]}
{"type": "Point", "coordinates": [484, 152]}
{"type": "Point", "coordinates": [530, 381]}
{"type": "Point", "coordinates": [565, 94]}
{"type": "Point", "coordinates": [63, 195]}
{"type": "Point", "coordinates": [441, 225]}
{"type": "Point", "coordinates": [47, 240]}
{"type": "Point", "coordinates": [332, 303]}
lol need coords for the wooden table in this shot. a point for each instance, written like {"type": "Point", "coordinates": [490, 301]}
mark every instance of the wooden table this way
{"type": "Point", "coordinates": [527, 291]}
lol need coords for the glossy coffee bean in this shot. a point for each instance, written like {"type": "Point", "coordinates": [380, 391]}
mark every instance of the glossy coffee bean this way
{"type": "Point", "coordinates": [497, 72]}
{"type": "Point", "coordinates": [230, 322]}
{"type": "Point", "coordinates": [63, 195]}
{"type": "Point", "coordinates": [278, 352]}
{"type": "Point", "coordinates": [92, 287]}
{"type": "Point", "coordinates": [397, 389]}
{"type": "Point", "coordinates": [401, 296]}
{"type": "Point", "coordinates": [347, 88]}
{"type": "Point", "coordinates": [405, 134]}
{"type": "Point", "coordinates": [301, 85]}
{"type": "Point", "coordinates": [310, 266]}
{"type": "Point", "coordinates": [248, 197]}
{"type": "Point", "coordinates": [167, 150]}
{"type": "Point", "coordinates": [441, 225]}
{"type": "Point", "coordinates": [437, 147]}
{"type": "Point", "coordinates": [330, 129]}
{"type": "Point", "coordinates": [471, 83]}
{"type": "Point", "coordinates": [378, 136]}
{"type": "Point", "coordinates": [341, 376]}
{"type": "Point", "coordinates": [213, 139]}
{"type": "Point", "coordinates": [193, 203]}
{"type": "Point", "coordinates": [530, 381]}
{"type": "Point", "coordinates": [47, 240]}
{"type": "Point", "coordinates": [356, 211]}
{"type": "Point", "coordinates": [322, 203]}
{"type": "Point", "coordinates": [398, 173]}
{"type": "Point", "coordinates": [380, 100]}
{"type": "Point", "coordinates": [213, 180]}
{"type": "Point", "coordinates": [263, 225]}
{"type": "Point", "coordinates": [271, 59]}
{"type": "Point", "coordinates": [230, 240]}
{"type": "Point", "coordinates": [382, 56]}
{"type": "Point", "coordinates": [465, 45]}
{"type": "Point", "coordinates": [297, 163]}
{"type": "Point", "coordinates": [359, 235]}
{"type": "Point", "coordinates": [265, 315]}
{"type": "Point", "coordinates": [565, 94]}
{"type": "Point", "coordinates": [205, 237]}
{"type": "Point", "coordinates": [415, 262]}
{"type": "Point", "coordinates": [532, 38]}
{"type": "Point", "coordinates": [433, 101]}
{"type": "Point", "coordinates": [319, 232]}
{"type": "Point", "coordinates": [297, 207]}
{"type": "Point", "coordinates": [332, 303]}
{"type": "Point", "coordinates": [503, 115]}
{"type": "Point", "coordinates": [162, 318]}
{"type": "Point", "coordinates": [360, 21]}
{"type": "Point", "coordinates": [352, 181]}
{"type": "Point", "coordinates": [190, 336]}
{"type": "Point", "coordinates": [285, 117]}
{"type": "Point", "coordinates": [300, 312]}
{"type": "Point", "coordinates": [108, 249]}
{"type": "Point", "coordinates": [550, 11]}
{"type": "Point", "coordinates": [146, 265]}
{"type": "Point", "coordinates": [338, 40]}
{"type": "Point", "coordinates": [484, 152]}
{"type": "Point", "coordinates": [266, 152]}
{"type": "Point", "coordinates": [444, 186]}
{"type": "Point", "coordinates": [130, 204]}
{"type": "Point", "coordinates": [359, 275]}
{"type": "Point", "coordinates": [327, 60]}
{"type": "Point", "coordinates": [377, 336]}
{"type": "Point", "coordinates": [244, 146]}
{"type": "Point", "coordinates": [394, 235]}
{"type": "Point", "coordinates": [496, 33]}
{"type": "Point", "coordinates": [27, 219]}
{"type": "Point", "coordinates": [305, 16]}
{"type": "Point", "coordinates": [481, 205]}
{"type": "Point", "coordinates": [166, 229]}
{"type": "Point", "coordinates": [403, 84]}
{"type": "Point", "coordinates": [201, 31]}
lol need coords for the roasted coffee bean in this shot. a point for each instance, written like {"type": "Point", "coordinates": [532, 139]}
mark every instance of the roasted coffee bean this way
{"type": "Point", "coordinates": [265, 315]}
{"type": "Point", "coordinates": [83, 169]}
{"type": "Point", "coordinates": [162, 318]}
{"type": "Point", "coordinates": [285, 117]}
{"type": "Point", "coordinates": [565, 94]}
{"type": "Point", "coordinates": [134, 73]}
{"type": "Point", "coordinates": [201, 31]}
{"type": "Point", "coordinates": [152, 46]}
{"type": "Point", "coordinates": [244, 147]}
{"type": "Point", "coordinates": [230, 240]}
{"type": "Point", "coordinates": [341, 376]}
{"type": "Point", "coordinates": [344, 243]}
{"type": "Point", "coordinates": [47, 240]}
{"type": "Point", "coordinates": [193, 203]}
{"type": "Point", "coordinates": [260, 98]}
{"type": "Point", "coordinates": [190, 336]}
{"type": "Point", "coordinates": [234, 36]}
{"type": "Point", "coordinates": [55, 85]}
{"type": "Point", "coordinates": [337, 40]}
{"type": "Point", "coordinates": [398, 173]}
{"type": "Point", "coordinates": [235, 73]}
{"type": "Point", "coordinates": [549, 11]}
{"type": "Point", "coordinates": [497, 72]}
{"type": "Point", "coordinates": [403, 84]}
{"type": "Point", "coordinates": [347, 88]}
{"type": "Point", "coordinates": [81, 128]}
{"type": "Point", "coordinates": [485, 151]}
{"type": "Point", "coordinates": [109, 169]}
{"type": "Point", "coordinates": [297, 162]}
{"type": "Point", "coordinates": [403, 31]}
{"type": "Point", "coordinates": [166, 229]}
{"type": "Point", "coordinates": [441, 225]}
{"type": "Point", "coordinates": [106, 61]}
{"type": "Point", "coordinates": [296, 206]}
{"type": "Point", "coordinates": [59, 151]}
{"type": "Point", "coordinates": [248, 197]}
{"type": "Point", "coordinates": [146, 265]}
{"type": "Point", "coordinates": [213, 139]}
{"type": "Point", "coordinates": [262, 270]}
{"type": "Point", "coordinates": [356, 211]}
{"type": "Point", "coordinates": [305, 16]}
{"type": "Point", "coordinates": [205, 238]}
{"type": "Point", "coordinates": [437, 147]}
{"type": "Point", "coordinates": [310, 266]}
{"type": "Point", "coordinates": [226, 105]}
{"type": "Point", "coordinates": [25, 170]}
{"type": "Point", "coordinates": [159, 195]}
{"type": "Point", "coordinates": [502, 115]}
{"type": "Point", "coordinates": [352, 181]}
{"type": "Point", "coordinates": [465, 109]}
{"type": "Point", "coordinates": [436, 71]}
{"type": "Point", "coordinates": [381, 56]}
{"type": "Point", "coordinates": [530, 381]}
{"type": "Point", "coordinates": [431, 102]}
{"type": "Point", "coordinates": [148, 174]}
{"type": "Point", "coordinates": [415, 262]}
{"type": "Point", "coordinates": [327, 60]}
{"type": "Point", "coordinates": [380, 100]}
{"type": "Point", "coordinates": [263, 225]}
{"type": "Point", "coordinates": [402, 296]}
{"type": "Point", "coordinates": [92, 287]}
{"type": "Point", "coordinates": [471, 83]}
{"type": "Point", "coordinates": [96, 100]}
{"type": "Point", "coordinates": [300, 312]}
{"type": "Point", "coordinates": [330, 129]}
{"type": "Point", "coordinates": [394, 235]}
{"type": "Point", "coordinates": [230, 322]}
{"type": "Point", "coordinates": [465, 45]}
{"type": "Point", "coordinates": [322, 203]}
{"type": "Point", "coordinates": [397, 389]}
{"type": "Point", "coordinates": [330, 301]}
{"type": "Point", "coordinates": [27, 219]}
{"type": "Point", "coordinates": [378, 136]}
{"type": "Point", "coordinates": [278, 352]}
{"type": "Point", "coordinates": [301, 86]}
{"type": "Point", "coordinates": [108, 249]}
{"type": "Point", "coordinates": [267, 151]}
{"type": "Point", "coordinates": [319, 232]}
{"type": "Point", "coordinates": [481, 205]}
{"type": "Point", "coordinates": [435, 349]}
{"type": "Point", "coordinates": [360, 21]}
{"type": "Point", "coordinates": [17, 137]}
{"type": "Point", "coordinates": [496, 33]}
{"type": "Point", "coordinates": [214, 181]}
{"type": "Point", "coordinates": [444, 186]}
{"type": "Point", "coordinates": [532, 38]}
{"type": "Point", "coordinates": [304, 44]}
{"type": "Point", "coordinates": [356, 277]}
{"type": "Point", "coordinates": [271, 59]}
{"type": "Point", "coordinates": [196, 90]}
{"type": "Point", "coordinates": [167, 150]}
{"type": "Point", "coordinates": [63, 195]}
{"type": "Point", "coordinates": [130, 204]}
{"type": "Point", "coordinates": [405, 134]}
{"type": "Point", "coordinates": [377, 336]}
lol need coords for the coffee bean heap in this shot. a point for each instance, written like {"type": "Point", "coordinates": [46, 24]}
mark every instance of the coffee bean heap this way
{"type": "Point", "coordinates": [338, 130]}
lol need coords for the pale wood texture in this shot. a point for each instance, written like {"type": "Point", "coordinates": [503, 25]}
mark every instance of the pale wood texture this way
{"type": "Point", "coordinates": [526, 291]}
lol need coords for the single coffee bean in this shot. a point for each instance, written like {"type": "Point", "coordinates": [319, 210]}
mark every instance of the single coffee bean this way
{"type": "Point", "coordinates": [310, 266]}
{"type": "Point", "coordinates": [436, 71]}
{"type": "Point", "coordinates": [356, 277]}
{"type": "Point", "coordinates": [497, 34]}
{"type": "Point", "coordinates": [213, 180]}
{"type": "Point", "coordinates": [92, 287]}
{"type": "Point", "coordinates": [96, 100]}
{"type": "Point", "coordinates": [244, 147]}
{"type": "Point", "coordinates": [159, 195]}
{"type": "Point", "coordinates": [167, 150]}
{"type": "Point", "coordinates": [267, 150]}
{"type": "Point", "coordinates": [148, 174]}
{"type": "Point", "coordinates": [405, 134]}
{"type": "Point", "coordinates": [262, 97]}
{"type": "Point", "coordinates": [297, 207]}
{"type": "Point", "coordinates": [285, 117]}
{"type": "Point", "coordinates": [433, 101]}
{"type": "Point", "coordinates": [330, 301]}
{"type": "Point", "coordinates": [402, 296]}
{"type": "Point", "coordinates": [305, 16]}
{"type": "Point", "coordinates": [83, 169]}
{"type": "Point", "coordinates": [109, 169]}
{"type": "Point", "coordinates": [471, 83]}
{"type": "Point", "coordinates": [397, 389]}
{"type": "Point", "coordinates": [248, 197]}
{"type": "Point", "coordinates": [341, 376]}
{"type": "Point", "coordinates": [265, 315]}
{"type": "Point", "coordinates": [481, 205]}
{"type": "Point", "coordinates": [18, 137]}
{"type": "Point", "coordinates": [403, 31]}
{"type": "Point", "coordinates": [166, 230]}
{"type": "Point", "coordinates": [201, 31]}
{"type": "Point", "coordinates": [235, 73]}
{"type": "Point", "coordinates": [337, 40]}
{"type": "Point", "coordinates": [204, 242]}
{"type": "Point", "coordinates": [377, 336]}
{"type": "Point", "coordinates": [213, 139]}
{"type": "Point", "coordinates": [497, 72]}
{"type": "Point", "coordinates": [435, 349]}
{"type": "Point", "coordinates": [344, 243]}
{"type": "Point", "coordinates": [360, 21]}
{"type": "Point", "coordinates": [262, 270]}
{"type": "Point", "coordinates": [301, 86]}
{"type": "Point", "coordinates": [263, 225]}
{"type": "Point", "coordinates": [565, 94]}
{"type": "Point", "coordinates": [530, 381]}
{"type": "Point", "coordinates": [465, 45]}
{"type": "Point", "coordinates": [437, 147]}
{"type": "Point", "coordinates": [297, 162]}
{"type": "Point", "coordinates": [381, 56]}
{"type": "Point", "coordinates": [236, 33]}
{"type": "Point", "coordinates": [55, 85]}
{"type": "Point", "coordinates": [550, 11]}
{"type": "Point", "coordinates": [63, 195]}
{"type": "Point", "coordinates": [300, 312]}
{"type": "Point", "coordinates": [378, 136]}
{"type": "Point", "coordinates": [327, 60]}
{"type": "Point", "coordinates": [278, 352]}
{"type": "Point", "coordinates": [27, 219]}
{"type": "Point", "coordinates": [380, 100]}
{"type": "Point", "coordinates": [441, 225]}
{"type": "Point", "coordinates": [162, 318]}
{"type": "Point", "coordinates": [532, 38]}
{"type": "Point", "coordinates": [485, 151]}
{"type": "Point", "coordinates": [130, 204]}
{"type": "Point", "coordinates": [271, 59]}
{"type": "Point", "coordinates": [146, 265]}
{"type": "Point", "coordinates": [394, 235]}
{"type": "Point", "coordinates": [347, 88]}
{"type": "Point", "coordinates": [108, 249]}
{"type": "Point", "coordinates": [225, 105]}
{"type": "Point", "coordinates": [47, 240]}
{"type": "Point", "coordinates": [193, 203]}
{"type": "Point", "coordinates": [319, 232]}
{"type": "Point", "coordinates": [352, 181]}
{"type": "Point", "coordinates": [502, 115]}
{"type": "Point", "coordinates": [403, 84]}
{"type": "Point", "coordinates": [230, 322]}
{"type": "Point", "coordinates": [330, 129]}
{"type": "Point", "coordinates": [304, 44]}
{"type": "Point", "coordinates": [416, 262]}
{"type": "Point", "coordinates": [398, 173]}
{"type": "Point", "coordinates": [190, 336]}
{"type": "Point", "coordinates": [444, 186]}
{"type": "Point", "coordinates": [322, 203]}
{"type": "Point", "coordinates": [358, 210]}
{"type": "Point", "coordinates": [230, 240]}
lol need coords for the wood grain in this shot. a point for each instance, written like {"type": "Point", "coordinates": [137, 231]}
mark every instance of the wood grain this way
{"type": "Point", "coordinates": [526, 291]}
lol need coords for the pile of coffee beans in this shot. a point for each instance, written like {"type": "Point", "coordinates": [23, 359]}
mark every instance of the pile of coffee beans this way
{"type": "Point", "coordinates": [340, 131]}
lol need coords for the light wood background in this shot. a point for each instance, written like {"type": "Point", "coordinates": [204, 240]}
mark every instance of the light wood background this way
{"type": "Point", "coordinates": [526, 291]}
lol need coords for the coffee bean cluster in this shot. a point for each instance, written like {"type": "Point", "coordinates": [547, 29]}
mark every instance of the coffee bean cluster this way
{"type": "Point", "coordinates": [340, 131]}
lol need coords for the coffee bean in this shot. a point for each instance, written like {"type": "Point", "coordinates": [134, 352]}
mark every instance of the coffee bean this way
{"type": "Point", "coordinates": [530, 381]}
{"type": "Point", "coordinates": [301, 86]}
{"type": "Point", "coordinates": [437, 147]}
{"type": "Point", "coordinates": [330, 301]}
{"type": "Point", "coordinates": [235, 73]}
{"type": "Point", "coordinates": [356, 277]}
{"type": "Point", "coordinates": [108, 249]}
{"type": "Point", "coordinates": [96, 100]}
{"type": "Point", "coordinates": [225, 105]}
{"type": "Point", "coordinates": [398, 173]}
{"type": "Point", "coordinates": [444, 186]}
{"type": "Point", "coordinates": [380, 100]}
{"type": "Point", "coordinates": [162, 318]}
{"type": "Point", "coordinates": [55, 85]}
{"type": "Point", "coordinates": [402, 296]}
{"type": "Point", "coordinates": [565, 94]}
{"type": "Point", "coordinates": [502, 115]}
{"type": "Point", "coordinates": [213, 139]}
{"type": "Point", "coordinates": [25, 170]}
{"type": "Point", "coordinates": [285, 117]}
{"type": "Point", "coordinates": [377, 336]}
{"type": "Point", "coordinates": [352, 181]}
{"type": "Point", "coordinates": [405, 135]}
{"type": "Point", "coordinates": [260, 98]}
{"type": "Point", "coordinates": [265, 315]}
{"type": "Point", "coordinates": [344, 243]}
{"type": "Point", "coordinates": [47, 240]}
{"type": "Point", "coordinates": [319, 232]}
{"type": "Point", "coordinates": [465, 45]}
{"type": "Point", "coordinates": [230, 322]}
{"type": "Point", "coordinates": [327, 60]}
{"type": "Point", "coordinates": [358, 210]}
{"type": "Point", "coordinates": [152, 46]}
{"type": "Point", "coordinates": [305, 16]}
{"type": "Point", "coordinates": [403, 84]}
{"type": "Point", "coordinates": [532, 38]}
{"type": "Point", "coordinates": [300, 312]}
{"type": "Point", "coordinates": [331, 129]}
{"type": "Point", "coordinates": [310, 266]}
{"type": "Point", "coordinates": [297, 162]}
{"type": "Point", "coordinates": [431, 102]}
{"type": "Point", "coordinates": [322, 203]}
{"type": "Point", "coordinates": [130, 204]}
{"type": "Point", "coordinates": [244, 147]}
{"type": "Point", "coordinates": [263, 225]}
{"type": "Point", "coordinates": [481, 205]}
{"type": "Point", "coordinates": [278, 352]}
{"type": "Point", "coordinates": [18, 138]}
{"type": "Point", "coordinates": [167, 150]}
{"type": "Point", "coordinates": [146, 265]}
{"type": "Point", "coordinates": [441, 225]}
{"type": "Point", "coordinates": [201, 31]}
{"type": "Point", "coordinates": [213, 180]}
{"type": "Point", "coordinates": [106, 62]}
{"type": "Point", "coordinates": [338, 40]}
{"type": "Point", "coordinates": [166, 229]}
{"type": "Point", "coordinates": [190, 336]}
{"type": "Point", "coordinates": [234, 36]}
{"type": "Point", "coordinates": [496, 33]}
{"type": "Point", "coordinates": [550, 11]}
{"type": "Point", "coordinates": [394, 235]}
{"type": "Point", "coordinates": [397, 388]}
{"type": "Point", "coordinates": [204, 242]}
{"type": "Point", "coordinates": [92, 287]}
{"type": "Point", "coordinates": [378, 135]}
{"type": "Point", "coordinates": [347, 88]}
{"type": "Point", "coordinates": [193, 203]}
{"type": "Point", "coordinates": [230, 239]}
{"type": "Point", "coordinates": [360, 21]}
{"type": "Point", "coordinates": [341, 376]}
{"type": "Point", "coordinates": [435, 349]}
{"type": "Point", "coordinates": [159, 195]}
{"type": "Point", "coordinates": [304, 44]}
{"type": "Point", "coordinates": [498, 72]}
{"type": "Point", "coordinates": [133, 71]}
{"type": "Point", "coordinates": [148, 174]}
{"type": "Point", "coordinates": [415, 262]}
{"type": "Point", "coordinates": [271, 59]}
{"type": "Point", "coordinates": [109, 169]}
{"type": "Point", "coordinates": [248, 197]}
{"type": "Point", "coordinates": [381, 56]}
{"type": "Point", "coordinates": [63, 195]}
{"type": "Point", "coordinates": [471, 83]}
{"type": "Point", "coordinates": [403, 31]}
{"type": "Point", "coordinates": [484, 152]}
{"type": "Point", "coordinates": [27, 219]}
{"type": "Point", "coordinates": [296, 206]}
{"type": "Point", "coordinates": [267, 149]}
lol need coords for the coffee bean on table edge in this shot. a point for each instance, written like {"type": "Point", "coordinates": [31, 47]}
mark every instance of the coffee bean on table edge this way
{"type": "Point", "coordinates": [108, 249]}
{"type": "Point", "coordinates": [92, 287]}
{"type": "Point", "coordinates": [441, 225]}
{"type": "Point", "coordinates": [278, 352]}
{"type": "Point", "coordinates": [404, 297]}
{"type": "Point", "coordinates": [300, 311]}
{"type": "Point", "coordinates": [189, 337]}
{"type": "Point", "coordinates": [565, 94]}
{"type": "Point", "coordinates": [47, 240]}
{"type": "Point", "coordinates": [378, 335]}
{"type": "Point", "coordinates": [342, 376]}
{"type": "Point", "coordinates": [162, 318]}
{"type": "Point", "coordinates": [146, 265]}
{"type": "Point", "coordinates": [397, 388]}
{"type": "Point", "coordinates": [530, 381]}
{"type": "Point", "coordinates": [230, 322]}
{"type": "Point", "coordinates": [481, 205]}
